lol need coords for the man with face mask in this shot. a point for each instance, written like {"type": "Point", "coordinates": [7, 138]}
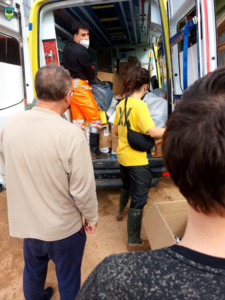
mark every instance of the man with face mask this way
{"type": "Point", "coordinates": [76, 59]}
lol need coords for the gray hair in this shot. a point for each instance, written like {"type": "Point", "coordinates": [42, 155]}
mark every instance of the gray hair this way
{"type": "Point", "coordinates": [52, 83]}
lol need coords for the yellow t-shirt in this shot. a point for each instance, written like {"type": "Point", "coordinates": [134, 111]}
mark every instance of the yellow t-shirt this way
{"type": "Point", "coordinates": [140, 120]}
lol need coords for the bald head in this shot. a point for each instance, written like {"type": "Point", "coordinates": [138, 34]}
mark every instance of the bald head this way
{"type": "Point", "coordinates": [52, 83]}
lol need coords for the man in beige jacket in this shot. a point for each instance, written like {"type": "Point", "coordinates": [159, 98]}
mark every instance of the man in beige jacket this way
{"type": "Point", "coordinates": [48, 172]}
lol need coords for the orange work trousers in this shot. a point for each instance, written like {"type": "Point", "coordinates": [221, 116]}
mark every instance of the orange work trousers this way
{"type": "Point", "coordinates": [83, 105]}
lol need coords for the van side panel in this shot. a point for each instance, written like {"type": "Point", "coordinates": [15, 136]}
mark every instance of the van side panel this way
{"type": "Point", "coordinates": [33, 36]}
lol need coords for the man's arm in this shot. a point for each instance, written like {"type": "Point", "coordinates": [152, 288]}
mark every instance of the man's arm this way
{"type": "Point", "coordinates": [82, 183]}
{"type": "Point", "coordinates": [86, 65]}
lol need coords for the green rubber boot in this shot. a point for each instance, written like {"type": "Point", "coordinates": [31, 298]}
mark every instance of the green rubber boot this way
{"type": "Point", "coordinates": [135, 243]}
{"type": "Point", "coordinates": [123, 210]}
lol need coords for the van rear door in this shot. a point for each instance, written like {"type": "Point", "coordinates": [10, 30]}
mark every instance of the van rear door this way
{"type": "Point", "coordinates": [15, 73]}
{"type": "Point", "coordinates": [192, 42]}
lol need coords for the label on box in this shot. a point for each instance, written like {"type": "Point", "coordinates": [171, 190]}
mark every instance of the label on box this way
{"type": "Point", "coordinates": [106, 130]}
{"type": "Point", "coordinates": [104, 150]}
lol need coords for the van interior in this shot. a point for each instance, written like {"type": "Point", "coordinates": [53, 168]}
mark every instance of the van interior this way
{"type": "Point", "coordinates": [118, 31]}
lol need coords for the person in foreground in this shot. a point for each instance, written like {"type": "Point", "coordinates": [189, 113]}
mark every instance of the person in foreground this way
{"type": "Point", "coordinates": [193, 150]}
{"type": "Point", "coordinates": [47, 168]}
{"type": "Point", "coordinates": [134, 167]}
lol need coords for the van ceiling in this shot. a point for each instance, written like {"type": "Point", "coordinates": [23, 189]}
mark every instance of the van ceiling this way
{"type": "Point", "coordinates": [111, 23]}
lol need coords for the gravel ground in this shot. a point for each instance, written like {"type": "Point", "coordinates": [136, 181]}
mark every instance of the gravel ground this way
{"type": "Point", "coordinates": [109, 238]}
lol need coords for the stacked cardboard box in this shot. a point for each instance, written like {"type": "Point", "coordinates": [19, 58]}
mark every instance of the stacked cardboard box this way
{"type": "Point", "coordinates": [125, 66]}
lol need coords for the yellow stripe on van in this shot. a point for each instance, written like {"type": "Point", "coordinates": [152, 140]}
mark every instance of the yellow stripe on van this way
{"type": "Point", "coordinates": [157, 64]}
{"type": "Point", "coordinates": [166, 33]}
{"type": "Point", "coordinates": [33, 37]}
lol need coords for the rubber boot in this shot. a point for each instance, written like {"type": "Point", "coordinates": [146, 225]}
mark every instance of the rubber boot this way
{"type": "Point", "coordinates": [123, 210]}
{"type": "Point", "coordinates": [94, 146]}
{"type": "Point", "coordinates": [135, 243]}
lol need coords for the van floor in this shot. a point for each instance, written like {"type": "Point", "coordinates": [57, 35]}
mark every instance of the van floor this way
{"type": "Point", "coordinates": [109, 238]}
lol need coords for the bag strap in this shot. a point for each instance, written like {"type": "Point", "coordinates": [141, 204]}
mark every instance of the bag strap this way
{"type": "Point", "coordinates": [126, 113]}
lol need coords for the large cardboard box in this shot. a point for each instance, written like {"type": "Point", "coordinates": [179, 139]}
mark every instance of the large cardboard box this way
{"type": "Point", "coordinates": [124, 67]}
{"type": "Point", "coordinates": [105, 142]}
{"type": "Point", "coordinates": [112, 77]}
{"type": "Point", "coordinates": [164, 221]}
{"type": "Point", "coordinates": [114, 142]}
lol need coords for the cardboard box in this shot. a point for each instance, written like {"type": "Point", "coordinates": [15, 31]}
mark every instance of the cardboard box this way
{"type": "Point", "coordinates": [114, 142]}
{"type": "Point", "coordinates": [163, 221]}
{"type": "Point", "coordinates": [112, 77]}
{"type": "Point", "coordinates": [104, 70]}
{"type": "Point", "coordinates": [124, 67]}
{"type": "Point", "coordinates": [105, 139]}
{"type": "Point", "coordinates": [157, 149]}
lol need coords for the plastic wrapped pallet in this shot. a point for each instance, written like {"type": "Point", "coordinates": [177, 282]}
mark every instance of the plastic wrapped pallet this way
{"type": "Point", "coordinates": [157, 107]}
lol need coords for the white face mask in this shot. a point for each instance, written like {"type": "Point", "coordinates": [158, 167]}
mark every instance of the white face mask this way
{"type": "Point", "coordinates": [84, 43]}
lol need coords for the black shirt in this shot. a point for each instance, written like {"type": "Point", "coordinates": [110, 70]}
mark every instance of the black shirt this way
{"type": "Point", "coordinates": [76, 59]}
{"type": "Point", "coordinates": [171, 273]}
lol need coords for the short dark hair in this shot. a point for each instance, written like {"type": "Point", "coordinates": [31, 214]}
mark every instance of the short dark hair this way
{"type": "Point", "coordinates": [79, 25]}
{"type": "Point", "coordinates": [134, 80]}
{"type": "Point", "coordinates": [194, 143]}
{"type": "Point", "coordinates": [52, 83]}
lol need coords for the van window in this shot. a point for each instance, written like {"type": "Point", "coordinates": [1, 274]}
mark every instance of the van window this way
{"type": "Point", "coordinates": [9, 50]}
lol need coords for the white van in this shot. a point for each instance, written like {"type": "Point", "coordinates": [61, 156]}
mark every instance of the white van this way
{"type": "Point", "coordinates": [177, 41]}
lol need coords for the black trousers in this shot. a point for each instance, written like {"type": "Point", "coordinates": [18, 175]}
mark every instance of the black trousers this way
{"type": "Point", "coordinates": [66, 254]}
{"type": "Point", "coordinates": [137, 180]}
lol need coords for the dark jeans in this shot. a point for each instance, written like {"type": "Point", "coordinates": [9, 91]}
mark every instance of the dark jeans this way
{"type": "Point", "coordinates": [66, 254]}
{"type": "Point", "coordinates": [137, 180]}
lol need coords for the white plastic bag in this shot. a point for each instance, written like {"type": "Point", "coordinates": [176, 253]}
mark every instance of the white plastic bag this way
{"type": "Point", "coordinates": [112, 107]}
{"type": "Point", "coordinates": [112, 117]}
{"type": "Point", "coordinates": [157, 107]}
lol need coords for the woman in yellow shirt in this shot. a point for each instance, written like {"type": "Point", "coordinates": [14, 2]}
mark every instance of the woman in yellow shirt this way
{"type": "Point", "coordinates": [134, 167]}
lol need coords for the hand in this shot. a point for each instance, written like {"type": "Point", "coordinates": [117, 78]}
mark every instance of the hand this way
{"type": "Point", "coordinates": [90, 228]}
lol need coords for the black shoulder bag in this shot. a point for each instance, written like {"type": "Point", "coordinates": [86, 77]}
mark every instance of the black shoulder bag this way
{"type": "Point", "coordinates": [138, 141]}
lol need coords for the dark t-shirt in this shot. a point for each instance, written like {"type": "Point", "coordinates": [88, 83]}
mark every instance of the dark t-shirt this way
{"type": "Point", "coordinates": [76, 59]}
{"type": "Point", "coordinates": [170, 273]}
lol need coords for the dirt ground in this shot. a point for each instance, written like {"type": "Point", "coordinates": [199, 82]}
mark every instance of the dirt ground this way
{"type": "Point", "coordinates": [109, 238]}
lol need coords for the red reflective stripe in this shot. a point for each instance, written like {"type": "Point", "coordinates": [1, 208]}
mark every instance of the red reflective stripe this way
{"type": "Point", "coordinates": [65, 17]}
{"type": "Point", "coordinates": [164, 174]}
{"type": "Point", "coordinates": [206, 35]}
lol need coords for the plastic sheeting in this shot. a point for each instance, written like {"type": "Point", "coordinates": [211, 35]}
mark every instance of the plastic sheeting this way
{"type": "Point", "coordinates": [157, 107]}
{"type": "Point", "coordinates": [103, 94]}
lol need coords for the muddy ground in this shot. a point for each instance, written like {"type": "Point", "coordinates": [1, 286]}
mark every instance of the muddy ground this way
{"type": "Point", "coordinates": [110, 237]}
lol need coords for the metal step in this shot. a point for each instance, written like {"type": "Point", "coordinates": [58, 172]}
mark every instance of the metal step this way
{"type": "Point", "coordinates": [112, 163]}
{"type": "Point", "coordinates": [107, 174]}
{"type": "Point", "coordinates": [102, 184]}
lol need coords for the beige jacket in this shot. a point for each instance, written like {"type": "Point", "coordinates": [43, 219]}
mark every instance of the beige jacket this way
{"type": "Point", "coordinates": [47, 168]}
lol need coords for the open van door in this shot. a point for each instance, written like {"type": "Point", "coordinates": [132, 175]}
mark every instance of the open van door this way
{"type": "Point", "coordinates": [16, 86]}
{"type": "Point", "coordinates": [119, 30]}
{"type": "Point", "coordinates": [193, 42]}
